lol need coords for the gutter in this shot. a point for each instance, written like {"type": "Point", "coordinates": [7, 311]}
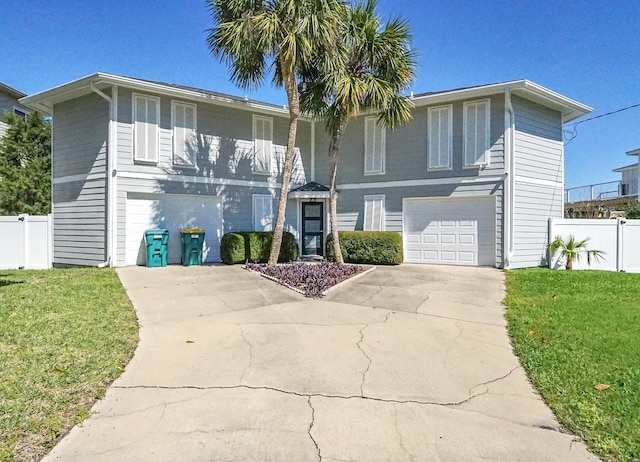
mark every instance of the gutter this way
{"type": "Point", "coordinates": [111, 172]}
{"type": "Point", "coordinates": [509, 160]}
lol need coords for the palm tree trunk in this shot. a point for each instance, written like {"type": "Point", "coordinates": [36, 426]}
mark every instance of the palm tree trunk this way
{"type": "Point", "coordinates": [334, 149]}
{"type": "Point", "coordinates": [291, 88]}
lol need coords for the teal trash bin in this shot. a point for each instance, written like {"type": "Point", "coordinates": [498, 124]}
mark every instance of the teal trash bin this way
{"type": "Point", "coordinates": [157, 241]}
{"type": "Point", "coordinates": [192, 244]}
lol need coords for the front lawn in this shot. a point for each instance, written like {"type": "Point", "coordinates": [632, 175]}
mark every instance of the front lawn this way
{"type": "Point", "coordinates": [65, 336]}
{"type": "Point", "coordinates": [577, 334]}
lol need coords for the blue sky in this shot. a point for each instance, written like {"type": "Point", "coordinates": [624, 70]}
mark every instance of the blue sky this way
{"type": "Point", "coordinates": [588, 51]}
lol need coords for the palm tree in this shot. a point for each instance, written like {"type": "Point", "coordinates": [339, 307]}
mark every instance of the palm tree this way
{"type": "Point", "coordinates": [367, 72]}
{"type": "Point", "coordinates": [255, 36]}
{"type": "Point", "coordinates": [573, 249]}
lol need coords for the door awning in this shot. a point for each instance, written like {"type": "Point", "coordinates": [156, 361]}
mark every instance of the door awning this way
{"type": "Point", "coordinates": [311, 190]}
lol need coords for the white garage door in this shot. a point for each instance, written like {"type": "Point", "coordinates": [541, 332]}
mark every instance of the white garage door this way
{"type": "Point", "coordinates": [172, 212]}
{"type": "Point", "coordinates": [450, 231]}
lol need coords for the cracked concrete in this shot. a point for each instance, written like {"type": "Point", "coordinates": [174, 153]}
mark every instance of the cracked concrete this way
{"type": "Point", "coordinates": [405, 363]}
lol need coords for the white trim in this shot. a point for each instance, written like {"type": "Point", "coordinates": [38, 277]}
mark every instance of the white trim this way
{"type": "Point", "coordinates": [113, 173]}
{"type": "Point", "coordinates": [255, 118]}
{"type": "Point", "coordinates": [486, 155]}
{"type": "Point", "coordinates": [449, 166]}
{"type": "Point", "coordinates": [174, 105]}
{"type": "Point", "coordinates": [423, 182]}
{"type": "Point", "coordinates": [136, 158]}
{"type": "Point", "coordinates": [538, 181]}
{"type": "Point", "coordinates": [198, 180]}
{"type": "Point", "coordinates": [309, 195]}
{"type": "Point", "coordinates": [378, 132]}
{"type": "Point", "coordinates": [372, 199]}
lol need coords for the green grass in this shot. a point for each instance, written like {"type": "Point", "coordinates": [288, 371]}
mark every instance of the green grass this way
{"type": "Point", "coordinates": [65, 335]}
{"type": "Point", "coordinates": [572, 331]}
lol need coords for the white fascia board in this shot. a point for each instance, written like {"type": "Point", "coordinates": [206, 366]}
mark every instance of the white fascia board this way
{"type": "Point", "coordinates": [625, 168]}
{"type": "Point", "coordinates": [634, 152]}
{"type": "Point", "coordinates": [44, 100]}
{"type": "Point", "coordinates": [569, 108]}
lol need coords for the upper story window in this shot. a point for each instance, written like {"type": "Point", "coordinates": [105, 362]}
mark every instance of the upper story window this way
{"type": "Point", "coordinates": [374, 147]}
{"type": "Point", "coordinates": [374, 213]}
{"type": "Point", "coordinates": [20, 112]}
{"type": "Point", "coordinates": [146, 118]}
{"type": "Point", "coordinates": [476, 133]}
{"type": "Point", "coordinates": [262, 144]}
{"type": "Point", "coordinates": [440, 135]}
{"type": "Point", "coordinates": [185, 141]}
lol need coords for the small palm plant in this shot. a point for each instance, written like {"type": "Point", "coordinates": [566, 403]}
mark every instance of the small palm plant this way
{"type": "Point", "coordinates": [573, 249]}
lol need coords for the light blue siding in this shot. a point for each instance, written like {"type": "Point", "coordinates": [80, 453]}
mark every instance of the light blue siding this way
{"type": "Point", "coordinates": [79, 187]}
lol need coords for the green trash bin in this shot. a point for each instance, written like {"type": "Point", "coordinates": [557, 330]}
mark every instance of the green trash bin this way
{"type": "Point", "coordinates": [192, 244]}
{"type": "Point", "coordinates": [157, 241]}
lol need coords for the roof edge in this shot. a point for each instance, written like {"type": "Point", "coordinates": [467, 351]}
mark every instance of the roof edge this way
{"type": "Point", "coordinates": [12, 91]}
{"type": "Point", "coordinates": [570, 109]}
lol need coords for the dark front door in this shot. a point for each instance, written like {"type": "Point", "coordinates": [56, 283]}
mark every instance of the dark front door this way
{"type": "Point", "coordinates": [312, 228]}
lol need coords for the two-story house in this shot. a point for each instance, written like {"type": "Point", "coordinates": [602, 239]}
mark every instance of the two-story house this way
{"type": "Point", "coordinates": [471, 180]}
{"type": "Point", "coordinates": [9, 103]}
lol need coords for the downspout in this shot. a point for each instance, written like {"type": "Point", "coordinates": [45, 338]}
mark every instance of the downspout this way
{"type": "Point", "coordinates": [313, 150]}
{"type": "Point", "coordinates": [110, 146]}
{"type": "Point", "coordinates": [509, 203]}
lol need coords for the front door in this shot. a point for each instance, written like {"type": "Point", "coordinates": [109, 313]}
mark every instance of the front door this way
{"type": "Point", "coordinates": [312, 228]}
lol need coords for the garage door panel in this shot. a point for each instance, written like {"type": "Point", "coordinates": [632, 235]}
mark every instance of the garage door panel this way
{"type": "Point", "coordinates": [172, 212]}
{"type": "Point", "coordinates": [451, 231]}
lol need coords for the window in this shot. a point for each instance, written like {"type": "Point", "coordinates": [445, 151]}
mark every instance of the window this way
{"type": "Point", "coordinates": [146, 117]}
{"type": "Point", "coordinates": [374, 147]}
{"type": "Point", "coordinates": [262, 144]}
{"type": "Point", "coordinates": [440, 137]}
{"type": "Point", "coordinates": [262, 212]}
{"type": "Point", "coordinates": [374, 213]}
{"type": "Point", "coordinates": [185, 141]}
{"type": "Point", "coordinates": [476, 133]}
{"type": "Point", "coordinates": [20, 112]}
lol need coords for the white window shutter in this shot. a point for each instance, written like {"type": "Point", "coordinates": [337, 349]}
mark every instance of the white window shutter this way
{"type": "Point", "coordinates": [440, 136]}
{"type": "Point", "coordinates": [476, 136]}
{"type": "Point", "coordinates": [263, 145]}
{"type": "Point", "coordinates": [374, 213]}
{"type": "Point", "coordinates": [184, 134]}
{"type": "Point", "coordinates": [374, 146]}
{"type": "Point", "coordinates": [145, 128]}
{"type": "Point", "coordinates": [262, 212]}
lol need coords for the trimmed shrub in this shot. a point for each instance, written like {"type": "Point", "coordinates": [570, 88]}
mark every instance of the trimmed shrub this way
{"type": "Point", "coordinates": [232, 249]}
{"type": "Point", "coordinates": [255, 246]}
{"type": "Point", "coordinates": [369, 247]}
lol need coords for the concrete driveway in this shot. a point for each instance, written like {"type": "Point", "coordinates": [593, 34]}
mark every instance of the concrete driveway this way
{"type": "Point", "coordinates": [408, 363]}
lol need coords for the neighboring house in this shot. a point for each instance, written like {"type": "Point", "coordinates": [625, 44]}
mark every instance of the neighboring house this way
{"type": "Point", "coordinates": [629, 176]}
{"type": "Point", "coordinates": [471, 180]}
{"type": "Point", "coordinates": [604, 200]}
{"type": "Point", "coordinates": [9, 103]}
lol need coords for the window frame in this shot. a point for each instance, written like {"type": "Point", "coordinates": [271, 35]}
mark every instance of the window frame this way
{"type": "Point", "coordinates": [431, 111]}
{"type": "Point", "coordinates": [134, 105]}
{"type": "Point", "coordinates": [382, 136]}
{"type": "Point", "coordinates": [20, 112]}
{"type": "Point", "coordinates": [174, 105]}
{"type": "Point", "coordinates": [269, 158]}
{"type": "Point", "coordinates": [372, 199]}
{"type": "Point", "coordinates": [486, 156]}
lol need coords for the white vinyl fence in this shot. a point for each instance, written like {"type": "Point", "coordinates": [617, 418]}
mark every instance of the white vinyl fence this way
{"type": "Point", "coordinates": [619, 239]}
{"type": "Point", "coordinates": [26, 242]}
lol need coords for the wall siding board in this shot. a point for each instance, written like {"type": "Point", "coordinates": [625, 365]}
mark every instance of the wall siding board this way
{"type": "Point", "coordinates": [79, 207]}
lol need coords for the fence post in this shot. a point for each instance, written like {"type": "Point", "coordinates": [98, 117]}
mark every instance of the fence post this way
{"type": "Point", "coordinates": [620, 222]}
{"type": "Point", "coordinates": [549, 240]}
{"type": "Point", "coordinates": [23, 218]}
{"type": "Point", "coordinates": [49, 240]}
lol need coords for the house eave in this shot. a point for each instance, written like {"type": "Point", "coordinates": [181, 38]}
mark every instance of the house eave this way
{"type": "Point", "coordinates": [569, 108]}
{"type": "Point", "coordinates": [17, 94]}
{"type": "Point", "coordinates": [634, 152]}
{"type": "Point", "coordinates": [45, 100]}
{"type": "Point", "coordinates": [626, 167]}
